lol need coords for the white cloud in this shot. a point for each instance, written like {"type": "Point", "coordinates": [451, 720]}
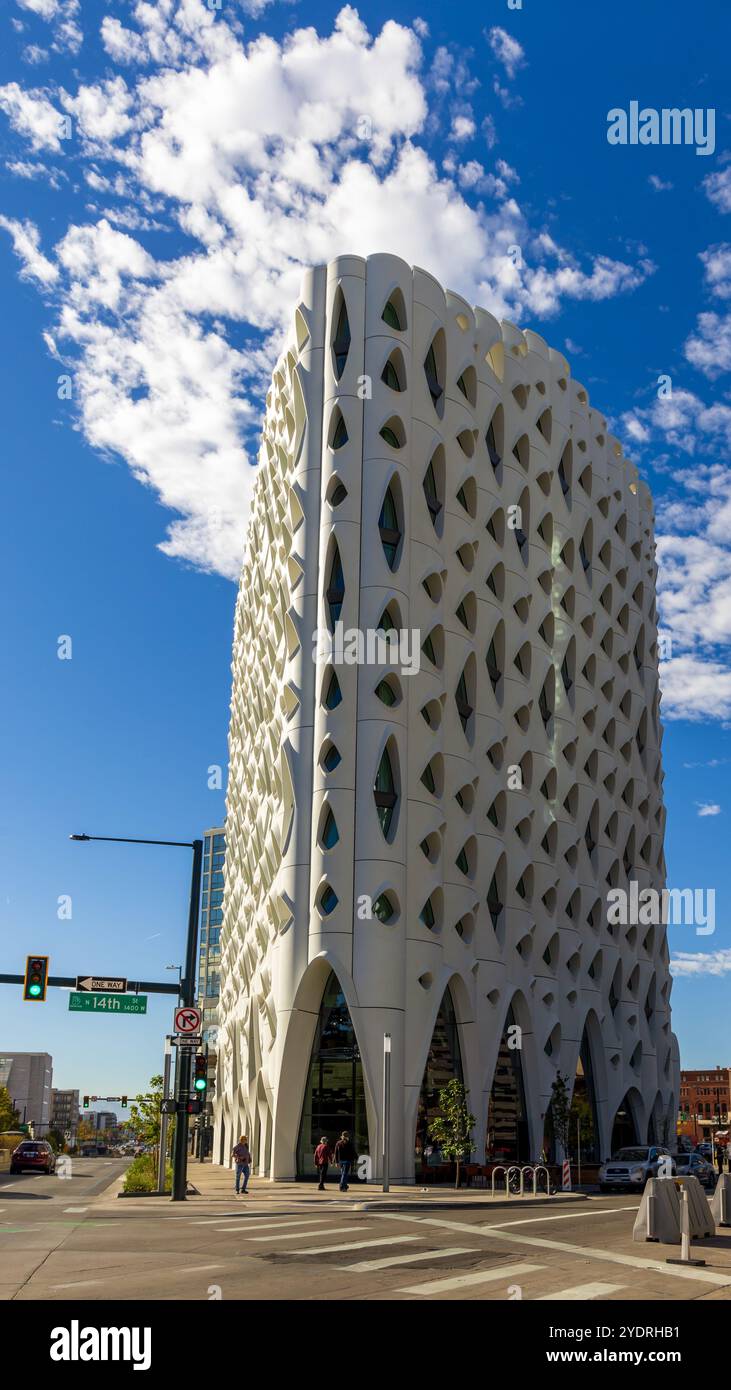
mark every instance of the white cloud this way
{"type": "Point", "coordinates": [463, 128]}
{"type": "Point", "coordinates": [507, 50]}
{"type": "Point", "coordinates": [26, 244]}
{"type": "Point", "coordinates": [708, 808]}
{"type": "Point", "coordinates": [659, 185]}
{"type": "Point", "coordinates": [717, 266]}
{"type": "Point", "coordinates": [701, 963]}
{"type": "Point", "coordinates": [63, 17]}
{"type": "Point", "coordinates": [718, 188]}
{"type": "Point", "coordinates": [33, 116]}
{"type": "Point", "coordinates": [270, 156]}
{"type": "Point", "coordinates": [709, 348]}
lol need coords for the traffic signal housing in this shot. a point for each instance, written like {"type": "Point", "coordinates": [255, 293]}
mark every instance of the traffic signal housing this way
{"type": "Point", "coordinates": [200, 1075]}
{"type": "Point", "coordinates": [124, 1102]}
{"type": "Point", "coordinates": [86, 1102]}
{"type": "Point", "coordinates": [36, 979]}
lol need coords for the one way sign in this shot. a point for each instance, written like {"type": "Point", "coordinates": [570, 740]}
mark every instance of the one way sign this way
{"type": "Point", "coordinates": [117, 984]}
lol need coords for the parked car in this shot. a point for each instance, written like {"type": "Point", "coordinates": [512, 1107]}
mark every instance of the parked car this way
{"type": "Point", "coordinates": [695, 1166]}
{"type": "Point", "coordinates": [35, 1154]}
{"type": "Point", "coordinates": [705, 1149]}
{"type": "Point", "coordinates": [629, 1169]}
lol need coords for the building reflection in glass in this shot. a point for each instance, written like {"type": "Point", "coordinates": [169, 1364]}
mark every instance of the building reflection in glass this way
{"type": "Point", "coordinates": [443, 1064]}
{"type": "Point", "coordinates": [507, 1138]}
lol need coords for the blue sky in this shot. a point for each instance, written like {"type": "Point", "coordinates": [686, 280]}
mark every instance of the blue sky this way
{"type": "Point", "coordinates": [165, 171]}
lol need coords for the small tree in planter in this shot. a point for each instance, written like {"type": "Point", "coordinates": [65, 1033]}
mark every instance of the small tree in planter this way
{"type": "Point", "coordinates": [561, 1112]}
{"type": "Point", "coordinates": [452, 1130]}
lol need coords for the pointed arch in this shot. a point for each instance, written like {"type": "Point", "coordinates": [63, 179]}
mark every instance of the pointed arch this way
{"type": "Point", "coordinates": [443, 1064]}
{"type": "Point", "coordinates": [508, 1135]}
{"type": "Point", "coordinates": [628, 1125]}
{"type": "Point", "coordinates": [334, 1089]}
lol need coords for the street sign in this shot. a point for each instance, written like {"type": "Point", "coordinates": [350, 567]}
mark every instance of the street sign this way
{"type": "Point", "coordinates": [108, 1003]}
{"type": "Point", "coordinates": [114, 984]}
{"type": "Point", "coordinates": [169, 1107]}
{"type": "Point", "coordinates": [187, 1019]}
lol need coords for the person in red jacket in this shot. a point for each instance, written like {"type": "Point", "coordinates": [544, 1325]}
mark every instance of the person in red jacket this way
{"type": "Point", "coordinates": [323, 1156]}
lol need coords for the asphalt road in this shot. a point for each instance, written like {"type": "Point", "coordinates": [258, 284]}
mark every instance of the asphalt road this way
{"type": "Point", "coordinates": [73, 1239]}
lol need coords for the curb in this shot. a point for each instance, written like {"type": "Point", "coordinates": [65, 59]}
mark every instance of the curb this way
{"type": "Point", "coordinates": [471, 1204]}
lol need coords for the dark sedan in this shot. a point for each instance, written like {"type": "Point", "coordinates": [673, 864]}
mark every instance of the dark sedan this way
{"type": "Point", "coordinates": [35, 1155]}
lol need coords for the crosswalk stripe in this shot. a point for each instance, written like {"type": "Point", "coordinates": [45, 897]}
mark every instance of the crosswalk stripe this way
{"type": "Point", "coordinates": [302, 1235]}
{"type": "Point", "coordinates": [353, 1245]}
{"type": "Point", "coordinates": [586, 1252]}
{"type": "Point", "coordinates": [580, 1291]}
{"type": "Point", "coordinates": [271, 1225]}
{"type": "Point", "coordinates": [365, 1266]}
{"type": "Point", "coordinates": [461, 1281]}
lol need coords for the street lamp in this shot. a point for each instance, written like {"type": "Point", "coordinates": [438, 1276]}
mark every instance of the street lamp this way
{"type": "Point", "coordinates": [186, 995]}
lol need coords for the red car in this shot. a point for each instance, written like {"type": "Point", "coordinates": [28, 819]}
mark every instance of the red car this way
{"type": "Point", "coordinates": [35, 1154]}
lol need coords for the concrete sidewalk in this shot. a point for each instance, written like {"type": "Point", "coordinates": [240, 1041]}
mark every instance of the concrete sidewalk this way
{"type": "Point", "coordinates": [213, 1183]}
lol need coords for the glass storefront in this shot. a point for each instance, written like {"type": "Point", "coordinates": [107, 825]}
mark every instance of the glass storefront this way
{"type": "Point", "coordinates": [334, 1095]}
{"type": "Point", "coordinates": [507, 1138]}
{"type": "Point", "coordinates": [583, 1126]}
{"type": "Point", "coordinates": [624, 1130]}
{"type": "Point", "coordinates": [443, 1064]}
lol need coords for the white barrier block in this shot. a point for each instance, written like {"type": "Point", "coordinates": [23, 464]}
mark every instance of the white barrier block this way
{"type": "Point", "coordinates": [721, 1201]}
{"type": "Point", "coordinates": [659, 1215]}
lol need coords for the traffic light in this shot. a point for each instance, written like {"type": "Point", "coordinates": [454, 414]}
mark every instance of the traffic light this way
{"type": "Point", "coordinates": [124, 1102]}
{"type": "Point", "coordinates": [200, 1076]}
{"type": "Point", "coordinates": [86, 1102]}
{"type": "Point", "coordinates": [36, 979]}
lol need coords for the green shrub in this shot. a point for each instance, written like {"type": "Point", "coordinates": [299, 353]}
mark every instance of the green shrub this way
{"type": "Point", "coordinates": [141, 1176]}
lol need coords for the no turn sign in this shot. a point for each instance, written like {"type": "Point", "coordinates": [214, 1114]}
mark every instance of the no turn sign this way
{"type": "Point", "coordinates": [187, 1019]}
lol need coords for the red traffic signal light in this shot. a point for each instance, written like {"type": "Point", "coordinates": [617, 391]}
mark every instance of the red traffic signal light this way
{"type": "Point", "coordinates": [36, 979]}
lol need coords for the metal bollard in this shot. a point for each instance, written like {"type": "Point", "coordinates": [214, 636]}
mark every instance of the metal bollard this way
{"type": "Point", "coordinates": [685, 1258]}
{"type": "Point", "coordinates": [652, 1217]}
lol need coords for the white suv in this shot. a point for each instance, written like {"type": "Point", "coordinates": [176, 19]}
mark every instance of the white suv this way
{"type": "Point", "coordinates": [629, 1169]}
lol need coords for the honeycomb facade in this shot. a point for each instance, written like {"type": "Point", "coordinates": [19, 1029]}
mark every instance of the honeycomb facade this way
{"type": "Point", "coordinates": [451, 832]}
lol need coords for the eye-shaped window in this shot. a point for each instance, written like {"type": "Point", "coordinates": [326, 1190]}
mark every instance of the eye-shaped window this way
{"type": "Point", "coordinates": [384, 793]}
{"type": "Point", "coordinates": [328, 900]}
{"type": "Point", "coordinates": [341, 337]}
{"type": "Point", "coordinates": [434, 371]}
{"type": "Point", "coordinates": [389, 525]}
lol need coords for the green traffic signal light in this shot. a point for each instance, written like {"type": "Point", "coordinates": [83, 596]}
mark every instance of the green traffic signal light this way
{"type": "Point", "coordinates": [200, 1081]}
{"type": "Point", "coordinates": [35, 983]}
{"type": "Point", "coordinates": [86, 1102]}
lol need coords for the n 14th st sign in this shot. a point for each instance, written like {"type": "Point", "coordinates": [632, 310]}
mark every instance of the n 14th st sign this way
{"type": "Point", "coordinates": [108, 1003]}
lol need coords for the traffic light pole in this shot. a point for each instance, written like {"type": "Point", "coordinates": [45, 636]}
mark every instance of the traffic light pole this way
{"type": "Point", "coordinates": [183, 1064]}
{"type": "Point", "coordinates": [164, 1121]}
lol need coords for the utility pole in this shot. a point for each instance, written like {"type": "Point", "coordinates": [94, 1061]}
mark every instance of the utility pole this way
{"type": "Point", "coordinates": [183, 1064]}
{"type": "Point", "coordinates": [161, 1164]}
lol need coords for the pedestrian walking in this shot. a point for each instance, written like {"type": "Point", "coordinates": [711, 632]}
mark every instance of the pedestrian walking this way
{"type": "Point", "coordinates": [241, 1155]}
{"type": "Point", "coordinates": [323, 1157]}
{"type": "Point", "coordinates": [345, 1157]}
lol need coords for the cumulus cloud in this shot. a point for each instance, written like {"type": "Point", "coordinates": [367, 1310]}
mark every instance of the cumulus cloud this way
{"type": "Point", "coordinates": [718, 188]}
{"type": "Point", "coordinates": [27, 246]}
{"type": "Point", "coordinates": [269, 156]}
{"type": "Point", "coordinates": [708, 808]}
{"type": "Point", "coordinates": [701, 963]}
{"type": "Point", "coordinates": [507, 50]}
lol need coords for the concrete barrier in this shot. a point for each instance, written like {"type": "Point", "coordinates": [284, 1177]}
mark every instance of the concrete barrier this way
{"type": "Point", "coordinates": [721, 1201]}
{"type": "Point", "coordinates": [659, 1215]}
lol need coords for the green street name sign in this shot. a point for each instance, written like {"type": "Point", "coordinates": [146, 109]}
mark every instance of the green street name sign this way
{"type": "Point", "coordinates": [107, 1003]}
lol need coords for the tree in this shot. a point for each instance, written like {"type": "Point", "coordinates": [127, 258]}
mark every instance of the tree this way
{"type": "Point", "coordinates": [145, 1117]}
{"type": "Point", "coordinates": [9, 1116]}
{"type": "Point", "coordinates": [57, 1140]}
{"type": "Point", "coordinates": [452, 1130]}
{"type": "Point", "coordinates": [561, 1111]}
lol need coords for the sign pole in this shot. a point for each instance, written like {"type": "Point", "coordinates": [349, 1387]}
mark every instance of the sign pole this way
{"type": "Point", "coordinates": [164, 1119]}
{"type": "Point", "coordinates": [386, 1127]}
{"type": "Point", "coordinates": [182, 1067]}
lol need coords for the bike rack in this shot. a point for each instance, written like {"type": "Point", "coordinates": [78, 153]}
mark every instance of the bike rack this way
{"type": "Point", "coordinates": [533, 1168]}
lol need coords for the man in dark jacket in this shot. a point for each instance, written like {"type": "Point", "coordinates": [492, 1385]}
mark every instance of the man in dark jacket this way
{"type": "Point", "coordinates": [345, 1156]}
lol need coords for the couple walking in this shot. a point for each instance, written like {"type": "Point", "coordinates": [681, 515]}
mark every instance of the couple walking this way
{"type": "Point", "coordinates": [344, 1154]}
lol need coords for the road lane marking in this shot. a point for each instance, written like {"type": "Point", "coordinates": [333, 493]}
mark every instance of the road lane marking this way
{"type": "Point", "coordinates": [76, 1208]}
{"type": "Point", "coordinates": [365, 1266]}
{"type": "Point", "coordinates": [461, 1281]}
{"type": "Point", "coordinates": [302, 1235]}
{"type": "Point", "coordinates": [580, 1292]}
{"type": "Point", "coordinates": [263, 1225]}
{"type": "Point", "coordinates": [570, 1216]}
{"type": "Point", "coordinates": [354, 1245]}
{"type": "Point", "coordinates": [701, 1276]}
{"type": "Point", "coordinates": [78, 1284]}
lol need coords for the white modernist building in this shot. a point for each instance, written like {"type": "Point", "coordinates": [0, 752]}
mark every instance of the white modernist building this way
{"type": "Point", "coordinates": [427, 853]}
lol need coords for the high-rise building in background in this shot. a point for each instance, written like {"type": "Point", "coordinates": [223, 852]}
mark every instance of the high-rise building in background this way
{"type": "Point", "coordinates": [28, 1077]}
{"type": "Point", "coordinates": [65, 1112]}
{"type": "Point", "coordinates": [209, 955]}
{"type": "Point", "coordinates": [705, 1102]}
{"type": "Point", "coordinates": [426, 854]}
